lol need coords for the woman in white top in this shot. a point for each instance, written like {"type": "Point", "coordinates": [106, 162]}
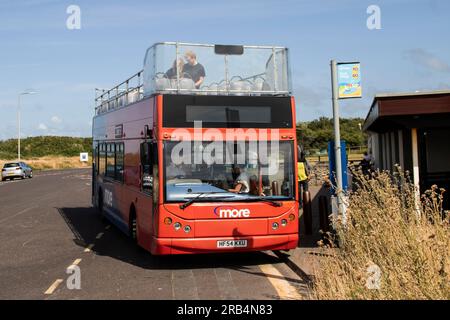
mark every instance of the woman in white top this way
{"type": "Point", "coordinates": [241, 185]}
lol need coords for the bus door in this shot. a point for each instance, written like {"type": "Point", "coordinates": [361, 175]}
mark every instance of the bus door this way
{"type": "Point", "coordinates": [148, 184]}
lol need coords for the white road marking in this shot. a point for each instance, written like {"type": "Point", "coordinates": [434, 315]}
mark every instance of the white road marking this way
{"type": "Point", "coordinates": [89, 248]}
{"type": "Point", "coordinates": [16, 214]}
{"type": "Point", "coordinates": [99, 235]}
{"type": "Point", "coordinates": [76, 262]}
{"type": "Point", "coordinates": [284, 289]}
{"type": "Point", "coordinates": [226, 284]}
{"type": "Point", "coordinates": [108, 226]}
{"type": "Point", "coordinates": [53, 287]}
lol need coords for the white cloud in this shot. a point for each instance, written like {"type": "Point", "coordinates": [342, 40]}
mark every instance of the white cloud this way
{"type": "Point", "coordinates": [42, 127]}
{"type": "Point", "coordinates": [56, 119]}
{"type": "Point", "coordinates": [427, 59]}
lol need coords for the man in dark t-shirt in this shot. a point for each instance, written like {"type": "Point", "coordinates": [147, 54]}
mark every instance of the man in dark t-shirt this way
{"type": "Point", "coordinates": [194, 69]}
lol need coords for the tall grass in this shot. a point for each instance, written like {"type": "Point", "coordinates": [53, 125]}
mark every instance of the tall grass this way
{"type": "Point", "coordinates": [393, 246]}
{"type": "Point", "coordinates": [52, 162]}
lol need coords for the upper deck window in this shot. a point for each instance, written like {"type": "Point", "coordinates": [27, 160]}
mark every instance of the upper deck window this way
{"type": "Point", "coordinates": [179, 68]}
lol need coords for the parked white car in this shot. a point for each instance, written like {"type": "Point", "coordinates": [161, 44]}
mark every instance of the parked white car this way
{"type": "Point", "coordinates": [14, 170]}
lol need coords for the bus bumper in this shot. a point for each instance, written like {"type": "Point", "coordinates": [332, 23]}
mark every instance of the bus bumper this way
{"type": "Point", "coordinates": [167, 246]}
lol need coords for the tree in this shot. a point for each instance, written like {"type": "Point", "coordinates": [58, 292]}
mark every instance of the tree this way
{"type": "Point", "coordinates": [317, 133]}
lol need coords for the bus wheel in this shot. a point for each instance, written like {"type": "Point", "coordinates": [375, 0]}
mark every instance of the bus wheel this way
{"type": "Point", "coordinates": [100, 202]}
{"type": "Point", "coordinates": [133, 224]}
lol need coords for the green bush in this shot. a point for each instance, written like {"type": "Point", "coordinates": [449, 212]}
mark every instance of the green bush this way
{"type": "Point", "coordinates": [35, 147]}
{"type": "Point", "coordinates": [316, 134]}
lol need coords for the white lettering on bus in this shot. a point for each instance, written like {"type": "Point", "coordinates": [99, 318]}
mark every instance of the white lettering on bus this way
{"type": "Point", "coordinates": [234, 213]}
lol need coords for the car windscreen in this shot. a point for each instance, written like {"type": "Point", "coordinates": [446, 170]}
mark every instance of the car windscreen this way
{"type": "Point", "coordinates": [11, 165]}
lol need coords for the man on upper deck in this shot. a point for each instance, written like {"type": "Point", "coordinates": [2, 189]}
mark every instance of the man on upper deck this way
{"type": "Point", "coordinates": [194, 69]}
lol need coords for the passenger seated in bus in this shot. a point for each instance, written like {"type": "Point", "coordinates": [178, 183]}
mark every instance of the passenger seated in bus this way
{"type": "Point", "coordinates": [172, 72]}
{"type": "Point", "coordinates": [194, 69]}
{"type": "Point", "coordinates": [241, 184]}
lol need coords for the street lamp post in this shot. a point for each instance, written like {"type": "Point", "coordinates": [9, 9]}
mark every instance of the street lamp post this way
{"type": "Point", "coordinates": [18, 120]}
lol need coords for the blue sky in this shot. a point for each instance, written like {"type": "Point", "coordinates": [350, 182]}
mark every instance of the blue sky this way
{"type": "Point", "coordinates": [410, 52]}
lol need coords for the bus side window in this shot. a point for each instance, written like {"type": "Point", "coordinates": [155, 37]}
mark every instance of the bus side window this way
{"type": "Point", "coordinates": [96, 155]}
{"type": "Point", "coordinates": [102, 159]}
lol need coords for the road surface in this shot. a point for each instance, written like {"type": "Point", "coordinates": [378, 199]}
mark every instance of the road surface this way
{"type": "Point", "coordinates": [47, 224]}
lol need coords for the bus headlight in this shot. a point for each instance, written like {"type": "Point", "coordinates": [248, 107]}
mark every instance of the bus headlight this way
{"type": "Point", "coordinates": [284, 223]}
{"type": "Point", "coordinates": [187, 229]}
{"type": "Point", "coordinates": [291, 217]}
{"type": "Point", "coordinates": [275, 225]}
{"type": "Point", "coordinates": [177, 226]}
{"type": "Point", "coordinates": [167, 221]}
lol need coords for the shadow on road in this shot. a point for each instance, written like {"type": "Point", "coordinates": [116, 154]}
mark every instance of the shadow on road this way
{"type": "Point", "coordinates": [311, 240]}
{"type": "Point", "coordinates": [85, 223]}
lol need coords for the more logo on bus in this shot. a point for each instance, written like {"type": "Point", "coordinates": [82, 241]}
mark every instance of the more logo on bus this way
{"type": "Point", "coordinates": [226, 212]}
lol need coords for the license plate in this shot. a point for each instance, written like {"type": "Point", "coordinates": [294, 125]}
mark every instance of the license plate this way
{"type": "Point", "coordinates": [232, 244]}
{"type": "Point", "coordinates": [11, 173]}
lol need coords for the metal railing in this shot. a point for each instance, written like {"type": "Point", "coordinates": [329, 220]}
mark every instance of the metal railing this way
{"type": "Point", "coordinates": [222, 78]}
{"type": "Point", "coordinates": [128, 91]}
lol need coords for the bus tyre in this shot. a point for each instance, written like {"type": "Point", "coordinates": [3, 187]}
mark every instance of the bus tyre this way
{"type": "Point", "coordinates": [100, 204]}
{"type": "Point", "coordinates": [133, 225]}
{"type": "Point", "coordinates": [134, 233]}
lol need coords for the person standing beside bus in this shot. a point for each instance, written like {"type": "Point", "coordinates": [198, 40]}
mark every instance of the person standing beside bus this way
{"type": "Point", "coordinates": [303, 173]}
{"type": "Point", "coordinates": [194, 69]}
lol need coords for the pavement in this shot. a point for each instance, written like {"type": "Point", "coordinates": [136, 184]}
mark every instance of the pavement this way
{"type": "Point", "coordinates": [53, 245]}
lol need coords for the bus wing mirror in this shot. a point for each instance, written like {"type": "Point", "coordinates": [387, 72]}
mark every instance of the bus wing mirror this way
{"type": "Point", "coordinates": [148, 132]}
{"type": "Point", "coordinates": [154, 155]}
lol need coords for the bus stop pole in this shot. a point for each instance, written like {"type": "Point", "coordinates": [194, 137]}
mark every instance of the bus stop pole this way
{"type": "Point", "coordinates": [337, 140]}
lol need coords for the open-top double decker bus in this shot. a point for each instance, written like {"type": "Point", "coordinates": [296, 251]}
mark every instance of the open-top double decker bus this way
{"type": "Point", "coordinates": [186, 166]}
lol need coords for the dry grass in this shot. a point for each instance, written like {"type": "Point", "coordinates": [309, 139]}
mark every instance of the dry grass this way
{"type": "Point", "coordinates": [390, 248]}
{"type": "Point", "coordinates": [52, 162]}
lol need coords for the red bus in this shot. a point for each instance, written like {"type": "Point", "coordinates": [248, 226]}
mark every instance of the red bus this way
{"type": "Point", "coordinates": [197, 162]}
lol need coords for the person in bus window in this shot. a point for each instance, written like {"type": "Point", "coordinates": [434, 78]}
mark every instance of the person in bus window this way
{"type": "Point", "coordinates": [172, 72]}
{"type": "Point", "coordinates": [242, 182]}
{"type": "Point", "coordinates": [194, 69]}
